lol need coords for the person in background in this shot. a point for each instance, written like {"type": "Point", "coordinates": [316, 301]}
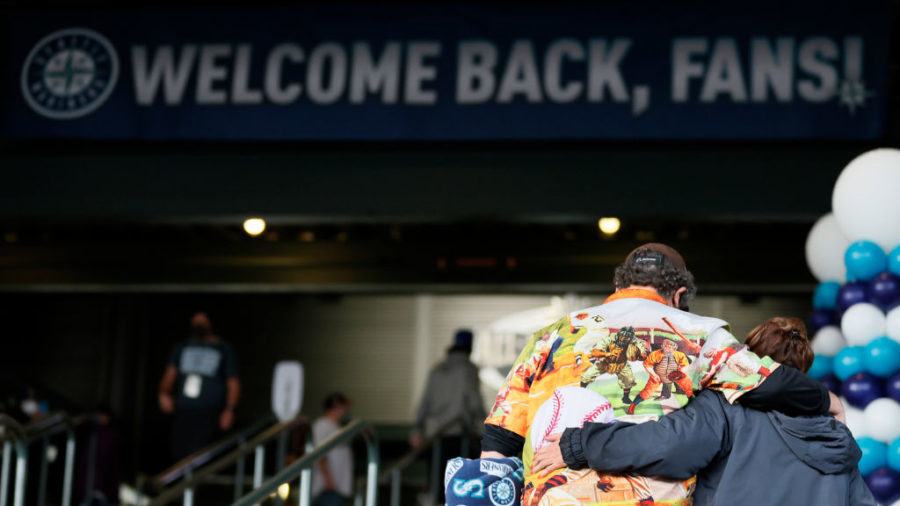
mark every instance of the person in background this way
{"type": "Point", "coordinates": [452, 392]}
{"type": "Point", "coordinates": [332, 483]}
{"type": "Point", "coordinates": [740, 456]}
{"type": "Point", "coordinates": [202, 372]}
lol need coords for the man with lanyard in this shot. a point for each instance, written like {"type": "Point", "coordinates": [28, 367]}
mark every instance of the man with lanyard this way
{"type": "Point", "coordinates": [653, 290]}
{"type": "Point", "coordinates": [202, 372]}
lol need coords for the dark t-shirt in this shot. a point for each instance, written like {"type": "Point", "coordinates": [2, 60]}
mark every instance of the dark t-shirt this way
{"type": "Point", "coordinates": [203, 370]}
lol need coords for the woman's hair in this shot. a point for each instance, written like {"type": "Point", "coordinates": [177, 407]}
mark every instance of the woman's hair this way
{"type": "Point", "coordinates": [783, 340]}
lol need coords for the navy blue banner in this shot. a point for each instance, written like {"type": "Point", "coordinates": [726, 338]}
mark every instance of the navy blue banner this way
{"type": "Point", "coordinates": [646, 70]}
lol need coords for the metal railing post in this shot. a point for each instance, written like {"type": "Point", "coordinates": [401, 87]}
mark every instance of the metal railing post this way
{"type": "Point", "coordinates": [91, 466]}
{"type": "Point", "coordinates": [304, 499]}
{"type": "Point", "coordinates": [280, 453]}
{"type": "Point", "coordinates": [435, 471]}
{"type": "Point", "coordinates": [69, 468]}
{"type": "Point", "coordinates": [21, 470]}
{"type": "Point", "coordinates": [239, 473]}
{"type": "Point", "coordinates": [188, 492]}
{"type": "Point", "coordinates": [4, 473]}
{"type": "Point", "coordinates": [259, 461]}
{"type": "Point", "coordinates": [372, 474]}
{"type": "Point", "coordinates": [18, 441]}
{"type": "Point", "coordinates": [395, 487]}
{"type": "Point", "coordinates": [42, 479]}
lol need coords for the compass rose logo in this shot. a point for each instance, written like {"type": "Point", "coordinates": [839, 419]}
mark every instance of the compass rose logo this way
{"type": "Point", "coordinates": [69, 73]}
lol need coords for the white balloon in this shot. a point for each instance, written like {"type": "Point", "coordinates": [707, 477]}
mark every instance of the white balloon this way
{"type": "Point", "coordinates": [825, 247]}
{"type": "Point", "coordinates": [828, 341]}
{"type": "Point", "coordinates": [865, 199]}
{"type": "Point", "coordinates": [856, 420]}
{"type": "Point", "coordinates": [861, 323]}
{"type": "Point", "coordinates": [892, 322]}
{"type": "Point", "coordinates": [882, 418]}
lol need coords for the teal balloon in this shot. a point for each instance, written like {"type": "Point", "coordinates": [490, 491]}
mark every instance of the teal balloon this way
{"type": "Point", "coordinates": [882, 357]}
{"type": "Point", "coordinates": [849, 361]}
{"type": "Point", "coordinates": [826, 295]}
{"type": "Point", "coordinates": [894, 261]}
{"type": "Point", "coordinates": [893, 455]}
{"type": "Point", "coordinates": [865, 260]}
{"type": "Point", "coordinates": [822, 366]}
{"type": "Point", "coordinates": [874, 455]}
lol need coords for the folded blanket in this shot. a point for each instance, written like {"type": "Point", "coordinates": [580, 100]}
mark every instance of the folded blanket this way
{"type": "Point", "coordinates": [473, 482]}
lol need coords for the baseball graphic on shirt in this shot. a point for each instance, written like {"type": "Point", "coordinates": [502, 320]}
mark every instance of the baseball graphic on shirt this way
{"type": "Point", "coordinates": [594, 335]}
{"type": "Point", "coordinates": [741, 364]}
{"type": "Point", "coordinates": [568, 407]}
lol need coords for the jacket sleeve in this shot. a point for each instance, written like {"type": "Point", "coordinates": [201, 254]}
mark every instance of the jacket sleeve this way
{"type": "Point", "coordinates": [860, 495]}
{"type": "Point", "coordinates": [675, 447]}
{"type": "Point", "coordinates": [497, 439]}
{"type": "Point", "coordinates": [510, 409]}
{"type": "Point", "coordinates": [790, 391]}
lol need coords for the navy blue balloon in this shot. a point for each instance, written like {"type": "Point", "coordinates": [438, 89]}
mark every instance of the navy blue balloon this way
{"type": "Point", "coordinates": [884, 483]}
{"type": "Point", "coordinates": [852, 293]}
{"type": "Point", "coordinates": [892, 387]}
{"type": "Point", "coordinates": [861, 389]}
{"type": "Point", "coordinates": [884, 291]}
{"type": "Point", "coordinates": [832, 383]}
{"type": "Point", "coordinates": [823, 318]}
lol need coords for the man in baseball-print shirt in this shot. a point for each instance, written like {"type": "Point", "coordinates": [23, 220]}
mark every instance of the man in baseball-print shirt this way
{"type": "Point", "coordinates": [653, 290]}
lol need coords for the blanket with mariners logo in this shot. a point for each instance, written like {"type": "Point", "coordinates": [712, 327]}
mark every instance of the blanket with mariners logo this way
{"type": "Point", "coordinates": [474, 482]}
{"type": "Point", "coordinates": [633, 358]}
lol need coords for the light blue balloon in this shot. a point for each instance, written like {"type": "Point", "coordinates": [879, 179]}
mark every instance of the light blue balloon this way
{"type": "Point", "coordinates": [894, 261]}
{"type": "Point", "coordinates": [849, 361]}
{"type": "Point", "coordinates": [893, 455]}
{"type": "Point", "coordinates": [864, 260]}
{"type": "Point", "coordinates": [874, 455]}
{"type": "Point", "coordinates": [826, 295]}
{"type": "Point", "coordinates": [882, 357]}
{"type": "Point", "coordinates": [821, 366]}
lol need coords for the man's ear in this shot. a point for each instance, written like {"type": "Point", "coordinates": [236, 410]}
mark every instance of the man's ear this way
{"type": "Point", "coordinates": [676, 299]}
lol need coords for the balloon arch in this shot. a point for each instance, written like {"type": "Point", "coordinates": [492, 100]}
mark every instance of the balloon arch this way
{"type": "Point", "coordinates": [854, 252]}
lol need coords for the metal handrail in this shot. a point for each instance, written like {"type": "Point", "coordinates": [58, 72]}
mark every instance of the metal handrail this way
{"type": "Point", "coordinates": [300, 468]}
{"type": "Point", "coordinates": [255, 445]}
{"type": "Point", "coordinates": [200, 457]}
{"type": "Point", "coordinates": [18, 440]}
{"type": "Point", "coordinates": [395, 470]}
{"type": "Point", "coordinates": [411, 456]}
{"type": "Point", "coordinates": [42, 430]}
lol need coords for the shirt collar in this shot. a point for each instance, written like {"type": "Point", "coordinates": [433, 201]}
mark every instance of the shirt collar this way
{"type": "Point", "coordinates": [635, 293]}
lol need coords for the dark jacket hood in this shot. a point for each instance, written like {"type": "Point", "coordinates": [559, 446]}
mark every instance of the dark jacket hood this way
{"type": "Point", "coordinates": [821, 442]}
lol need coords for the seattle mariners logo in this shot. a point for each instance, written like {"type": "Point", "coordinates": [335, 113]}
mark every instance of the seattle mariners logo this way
{"type": "Point", "coordinates": [69, 73]}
